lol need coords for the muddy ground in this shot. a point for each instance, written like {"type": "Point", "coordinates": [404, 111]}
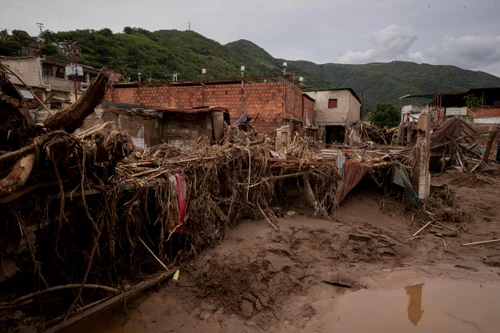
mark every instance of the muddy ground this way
{"type": "Point", "coordinates": [262, 280]}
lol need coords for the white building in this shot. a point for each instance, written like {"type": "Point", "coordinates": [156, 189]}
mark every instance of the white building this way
{"type": "Point", "coordinates": [47, 78]}
{"type": "Point", "coordinates": [335, 109]}
{"type": "Point", "coordinates": [411, 113]}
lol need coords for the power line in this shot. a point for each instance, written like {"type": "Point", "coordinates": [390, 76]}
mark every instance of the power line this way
{"type": "Point", "coordinates": [40, 26]}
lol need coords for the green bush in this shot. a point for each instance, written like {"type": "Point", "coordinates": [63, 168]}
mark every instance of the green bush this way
{"type": "Point", "coordinates": [385, 114]}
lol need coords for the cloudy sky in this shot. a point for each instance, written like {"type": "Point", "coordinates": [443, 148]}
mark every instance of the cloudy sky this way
{"type": "Point", "coordinates": [465, 33]}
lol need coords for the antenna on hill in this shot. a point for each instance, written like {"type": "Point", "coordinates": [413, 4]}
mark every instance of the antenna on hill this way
{"type": "Point", "coordinates": [40, 26]}
{"type": "Point", "coordinates": [189, 25]}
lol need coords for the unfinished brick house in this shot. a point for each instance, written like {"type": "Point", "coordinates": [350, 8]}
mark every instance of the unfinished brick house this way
{"type": "Point", "coordinates": [178, 127]}
{"type": "Point", "coordinates": [270, 101]}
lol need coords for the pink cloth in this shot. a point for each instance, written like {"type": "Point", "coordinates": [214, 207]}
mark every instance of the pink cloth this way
{"type": "Point", "coordinates": [181, 196]}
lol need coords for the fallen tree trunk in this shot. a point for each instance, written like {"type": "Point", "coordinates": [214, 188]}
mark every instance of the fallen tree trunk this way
{"type": "Point", "coordinates": [153, 280]}
{"type": "Point", "coordinates": [318, 208]}
{"type": "Point", "coordinates": [72, 117]}
{"type": "Point", "coordinates": [18, 176]}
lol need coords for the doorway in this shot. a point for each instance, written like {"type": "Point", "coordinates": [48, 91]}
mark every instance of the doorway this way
{"type": "Point", "coordinates": [334, 134]}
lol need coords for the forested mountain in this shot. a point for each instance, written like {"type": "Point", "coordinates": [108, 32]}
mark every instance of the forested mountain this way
{"type": "Point", "coordinates": [160, 53]}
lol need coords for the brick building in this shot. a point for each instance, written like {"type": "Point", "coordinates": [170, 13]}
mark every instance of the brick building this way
{"type": "Point", "coordinates": [453, 104]}
{"type": "Point", "coordinates": [270, 101]}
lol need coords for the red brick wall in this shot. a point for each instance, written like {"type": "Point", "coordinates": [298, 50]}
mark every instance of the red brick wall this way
{"type": "Point", "coordinates": [486, 112]}
{"type": "Point", "coordinates": [308, 106]}
{"type": "Point", "coordinates": [265, 99]}
{"type": "Point", "coordinates": [293, 101]}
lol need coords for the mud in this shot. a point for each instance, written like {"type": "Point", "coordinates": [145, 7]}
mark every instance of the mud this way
{"type": "Point", "coordinates": [430, 306]}
{"type": "Point", "coordinates": [260, 279]}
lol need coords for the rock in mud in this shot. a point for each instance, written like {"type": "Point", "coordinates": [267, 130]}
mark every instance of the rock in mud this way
{"type": "Point", "coordinates": [342, 280]}
{"type": "Point", "coordinates": [493, 261]}
{"type": "Point", "coordinates": [277, 263]}
{"type": "Point", "coordinates": [246, 308]}
{"type": "Point", "coordinates": [360, 238]}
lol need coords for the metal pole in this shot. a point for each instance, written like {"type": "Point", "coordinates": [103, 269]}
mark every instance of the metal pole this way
{"type": "Point", "coordinates": [203, 89]}
{"type": "Point", "coordinates": [74, 75]}
{"type": "Point", "coordinates": [139, 87]}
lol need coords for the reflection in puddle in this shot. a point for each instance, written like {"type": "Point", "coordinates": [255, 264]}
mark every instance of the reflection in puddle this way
{"type": "Point", "coordinates": [449, 307]}
{"type": "Point", "coordinates": [415, 310]}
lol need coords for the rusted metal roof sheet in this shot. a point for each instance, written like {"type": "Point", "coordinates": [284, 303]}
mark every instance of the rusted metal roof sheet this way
{"type": "Point", "coordinates": [136, 107]}
{"type": "Point", "coordinates": [452, 129]}
{"type": "Point", "coordinates": [353, 172]}
{"type": "Point", "coordinates": [196, 109]}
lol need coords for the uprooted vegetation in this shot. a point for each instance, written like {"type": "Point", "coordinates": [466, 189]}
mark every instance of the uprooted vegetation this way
{"type": "Point", "coordinates": [89, 220]}
{"type": "Point", "coordinates": [84, 218]}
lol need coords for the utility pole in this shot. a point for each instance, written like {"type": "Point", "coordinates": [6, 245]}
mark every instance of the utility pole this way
{"type": "Point", "coordinates": [40, 26]}
{"type": "Point", "coordinates": [75, 72]}
{"type": "Point", "coordinates": [189, 25]}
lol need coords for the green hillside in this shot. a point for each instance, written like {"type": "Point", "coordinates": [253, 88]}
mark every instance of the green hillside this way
{"type": "Point", "coordinates": [389, 81]}
{"type": "Point", "coordinates": [158, 54]}
{"type": "Point", "coordinates": [155, 54]}
{"type": "Point", "coordinates": [376, 82]}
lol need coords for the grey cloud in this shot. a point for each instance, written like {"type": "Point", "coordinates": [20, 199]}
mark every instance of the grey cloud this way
{"type": "Point", "coordinates": [389, 43]}
{"type": "Point", "coordinates": [316, 30]}
{"type": "Point", "coordinates": [475, 52]}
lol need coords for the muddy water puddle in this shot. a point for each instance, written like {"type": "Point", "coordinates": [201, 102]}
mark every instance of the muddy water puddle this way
{"type": "Point", "coordinates": [433, 306]}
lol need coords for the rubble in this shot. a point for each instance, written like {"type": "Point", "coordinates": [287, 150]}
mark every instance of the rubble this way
{"type": "Point", "coordinates": [91, 220]}
{"type": "Point", "coordinates": [103, 214]}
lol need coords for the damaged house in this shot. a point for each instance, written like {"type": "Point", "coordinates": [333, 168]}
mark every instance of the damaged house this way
{"type": "Point", "coordinates": [48, 80]}
{"type": "Point", "coordinates": [335, 110]}
{"type": "Point", "coordinates": [485, 111]}
{"type": "Point", "coordinates": [177, 127]}
{"type": "Point", "coordinates": [268, 101]}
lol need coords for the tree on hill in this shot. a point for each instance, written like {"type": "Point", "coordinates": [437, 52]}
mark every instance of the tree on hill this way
{"type": "Point", "coordinates": [22, 37]}
{"type": "Point", "coordinates": [385, 114]}
{"type": "Point", "coordinates": [50, 50]}
{"type": "Point", "coordinates": [11, 45]}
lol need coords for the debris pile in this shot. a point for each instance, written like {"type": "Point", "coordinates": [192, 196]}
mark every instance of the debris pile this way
{"type": "Point", "coordinates": [89, 220]}
{"type": "Point", "coordinates": [363, 132]}
{"type": "Point", "coordinates": [86, 217]}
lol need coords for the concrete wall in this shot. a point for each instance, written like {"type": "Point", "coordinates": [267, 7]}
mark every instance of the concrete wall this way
{"type": "Point", "coordinates": [61, 85]}
{"type": "Point", "coordinates": [272, 101]}
{"type": "Point", "coordinates": [145, 132]}
{"type": "Point", "coordinates": [183, 130]}
{"type": "Point", "coordinates": [354, 112]}
{"type": "Point", "coordinates": [178, 130]}
{"type": "Point", "coordinates": [456, 111]}
{"type": "Point", "coordinates": [27, 68]}
{"type": "Point", "coordinates": [346, 113]}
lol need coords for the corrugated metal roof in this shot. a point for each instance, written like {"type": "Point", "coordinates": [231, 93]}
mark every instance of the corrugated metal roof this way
{"type": "Point", "coordinates": [196, 109]}
{"type": "Point", "coordinates": [26, 93]}
{"type": "Point", "coordinates": [136, 107]}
